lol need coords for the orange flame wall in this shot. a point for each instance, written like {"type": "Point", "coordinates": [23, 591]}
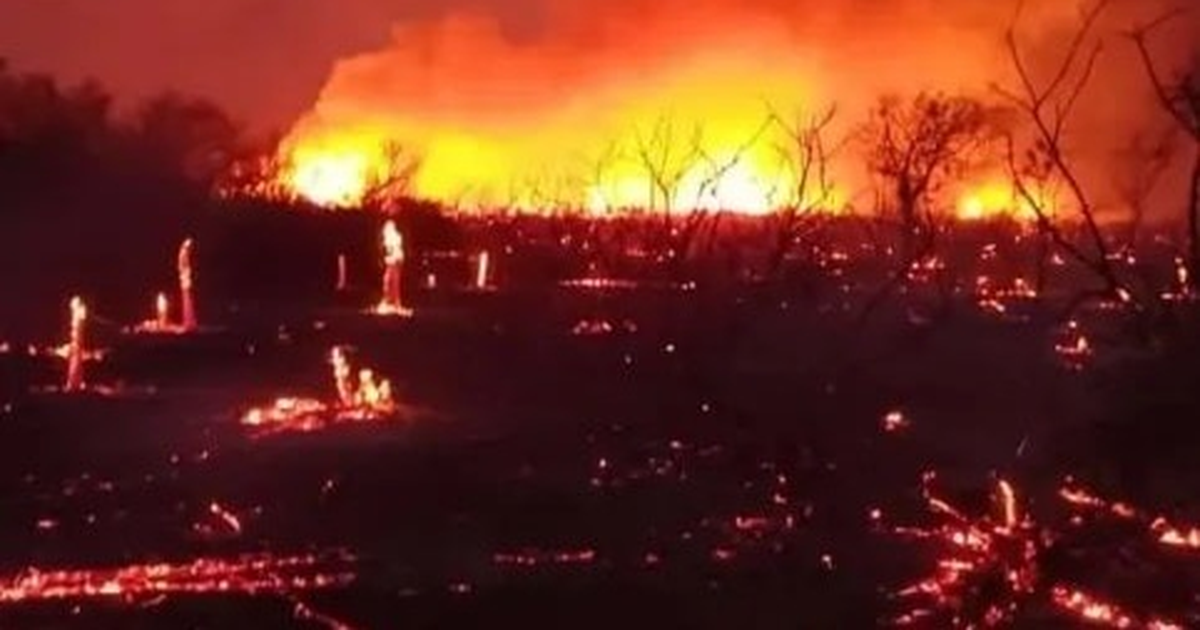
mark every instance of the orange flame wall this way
{"type": "Point", "coordinates": [548, 112]}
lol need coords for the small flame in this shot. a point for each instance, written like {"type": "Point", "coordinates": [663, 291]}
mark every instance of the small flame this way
{"type": "Point", "coordinates": [368, 399]}
{"type": "Point", "coordinates": [162, 311]}
{"type": "Point", "coordinates": [341, 376]}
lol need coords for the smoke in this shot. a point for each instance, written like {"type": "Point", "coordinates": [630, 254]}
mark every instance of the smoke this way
{"type": "Point", "coordinates": [498, 92]}
{"type": "Point", "coordinates": [493, 98]}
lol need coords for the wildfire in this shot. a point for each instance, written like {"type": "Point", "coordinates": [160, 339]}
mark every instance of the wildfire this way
{"type": "Point", "coordinates": [365, 399]}
{"type": "Point", "coordinates": [557, 124]}
{"type": "Point", "coordinates": [998, 199]}
{"type": "Point", "coordinates": [329, 179]}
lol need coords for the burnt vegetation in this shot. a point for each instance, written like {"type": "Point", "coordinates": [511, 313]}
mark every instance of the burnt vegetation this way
{"type": "Point", "coordinates": [754, 350]}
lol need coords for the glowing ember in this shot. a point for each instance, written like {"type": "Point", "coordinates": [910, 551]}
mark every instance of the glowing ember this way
{"type": "Point", "coordinates": [895, 421]}
{"type": "Point", "coordinates": [995, 298]}
{"type": "Point", "coordinates": [393, 270]}
{"type": "Point", "coordinates": [1073, 348]}
{"type": "Point", "coordinates": [595, 327]}
{"type": "Point", "coordinates": [288, 414]}
{"type": "Point", "coordinates": [250, 574]}
{"type": "Point", "coordinates": [1158, 526]}
{"type": "Point", "coordinates": [995, 549]}
{"type": "Point", "coordinates": [1189, 539]}
{"type": "Point", "coordinates": [599, 283]}
{"type": "Point", "coordinates": [366, 399]}
{"type": "Point", "coordinates": [187, 300]}
{"type": "Point", "coordinates": [218, 523]}
{"type": "Point", "coordinates": [990, 569]}
{"type": "Point", "coordinates": [1095, 611]}
{"type": "Point", "coordinates": [531, 558]}
{"type": "Point", "coordinates": [228, 518]}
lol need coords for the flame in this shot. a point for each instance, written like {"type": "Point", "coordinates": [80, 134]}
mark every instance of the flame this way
{"type": "Point", "coordinates": [367, 400]}
{"type": "Point", "coordinates": [393, 271]}
{"type": "Point", "coordinates": [330, 179]}
{"type": "Point", "coordinates": [162, 311]}
{"type": "Point", "coordinates": [563, 124]}
{"type": "Point", "coordinates": [76, 350]}
{"type": "Point", "coordinates": [186, 282]}
{"type": "Point", "coordinates": [160, 323]}
{"type": "Point", "coordinates": [998, 198]}
{"type": "Point", "coordinates": [341, 376]}
{"type": "Point", "coordinates": [481, 271]}
{"type": "Point", "coordinates": [987, 201]}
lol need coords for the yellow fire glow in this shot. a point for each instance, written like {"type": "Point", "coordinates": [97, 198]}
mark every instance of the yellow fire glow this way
{"type": "Point", "coordinates": [554, 130]}
{"type": "Point", "coordinates": [998, 198]}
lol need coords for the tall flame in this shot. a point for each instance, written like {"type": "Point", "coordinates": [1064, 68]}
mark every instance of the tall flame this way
{"type": "Point", "coordinates": [638, 109]}
{"type": "Point", "coordinates": [186, 286]}
{"type": "Point", "coordinates": [482, 270]}
{"type": "Point", "coordinates": [76, 349]}
{"type": "Point", "coordinates": [600, 105]}
{"type": "Point", "coordinates": [391, 302]}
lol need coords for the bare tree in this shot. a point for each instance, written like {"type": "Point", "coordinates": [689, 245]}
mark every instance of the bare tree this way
{"type": "Point", "coordinates": [392, 183]}
{"type": "Point", "coordinates": [1179, 97]}
{"type": "Point", "coordinates": [697, 233]}
{"type": "Point", "coordinates": [599, 170]}
{"type": "Point", "coordinates": [916, 147]}
{"type": "Point", "coordinates": [1142, 164]}
{"type": "Point", "coordinates": [1047, 108]}
{"type": "Point", "coordinates": [806, 154]}
{"type": "Point", "coordinates": [667, 158]}
{"type": "Point", "coordinates": [717, 168]}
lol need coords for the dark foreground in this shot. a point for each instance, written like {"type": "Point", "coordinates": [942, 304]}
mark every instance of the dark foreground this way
{"type": "Point", "coordinates": [683, 470]}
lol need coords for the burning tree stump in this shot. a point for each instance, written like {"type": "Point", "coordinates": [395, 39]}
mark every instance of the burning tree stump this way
{"type": "Point", "coordinates": [186, 285]}
{"type": "Point", "coordinates": [391, 303]}
{"type": "Point", "coordinates": [75, 351]}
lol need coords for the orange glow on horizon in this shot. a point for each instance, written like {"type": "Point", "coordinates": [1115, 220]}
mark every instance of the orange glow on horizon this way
{"type": "Point", "coordinates": [682, 122]}
{"type": "Point", "coordinates": [999, 198]}
{"type": "Point", "coordinates": [625, 106]}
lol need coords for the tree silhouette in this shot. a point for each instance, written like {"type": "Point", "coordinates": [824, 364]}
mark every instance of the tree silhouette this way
{"type": "Point", "coordinates": [915, 147]}
{"type": "Point", "coordinates": [1179, 97]}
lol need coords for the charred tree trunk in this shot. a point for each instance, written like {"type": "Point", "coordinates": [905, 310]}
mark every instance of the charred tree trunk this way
{"type": "Point", "coordinates": [1194, 222]}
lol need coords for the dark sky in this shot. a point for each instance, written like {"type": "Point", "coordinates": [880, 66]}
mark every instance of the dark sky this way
{"type": "Point", "coordinates": [263, 59]}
